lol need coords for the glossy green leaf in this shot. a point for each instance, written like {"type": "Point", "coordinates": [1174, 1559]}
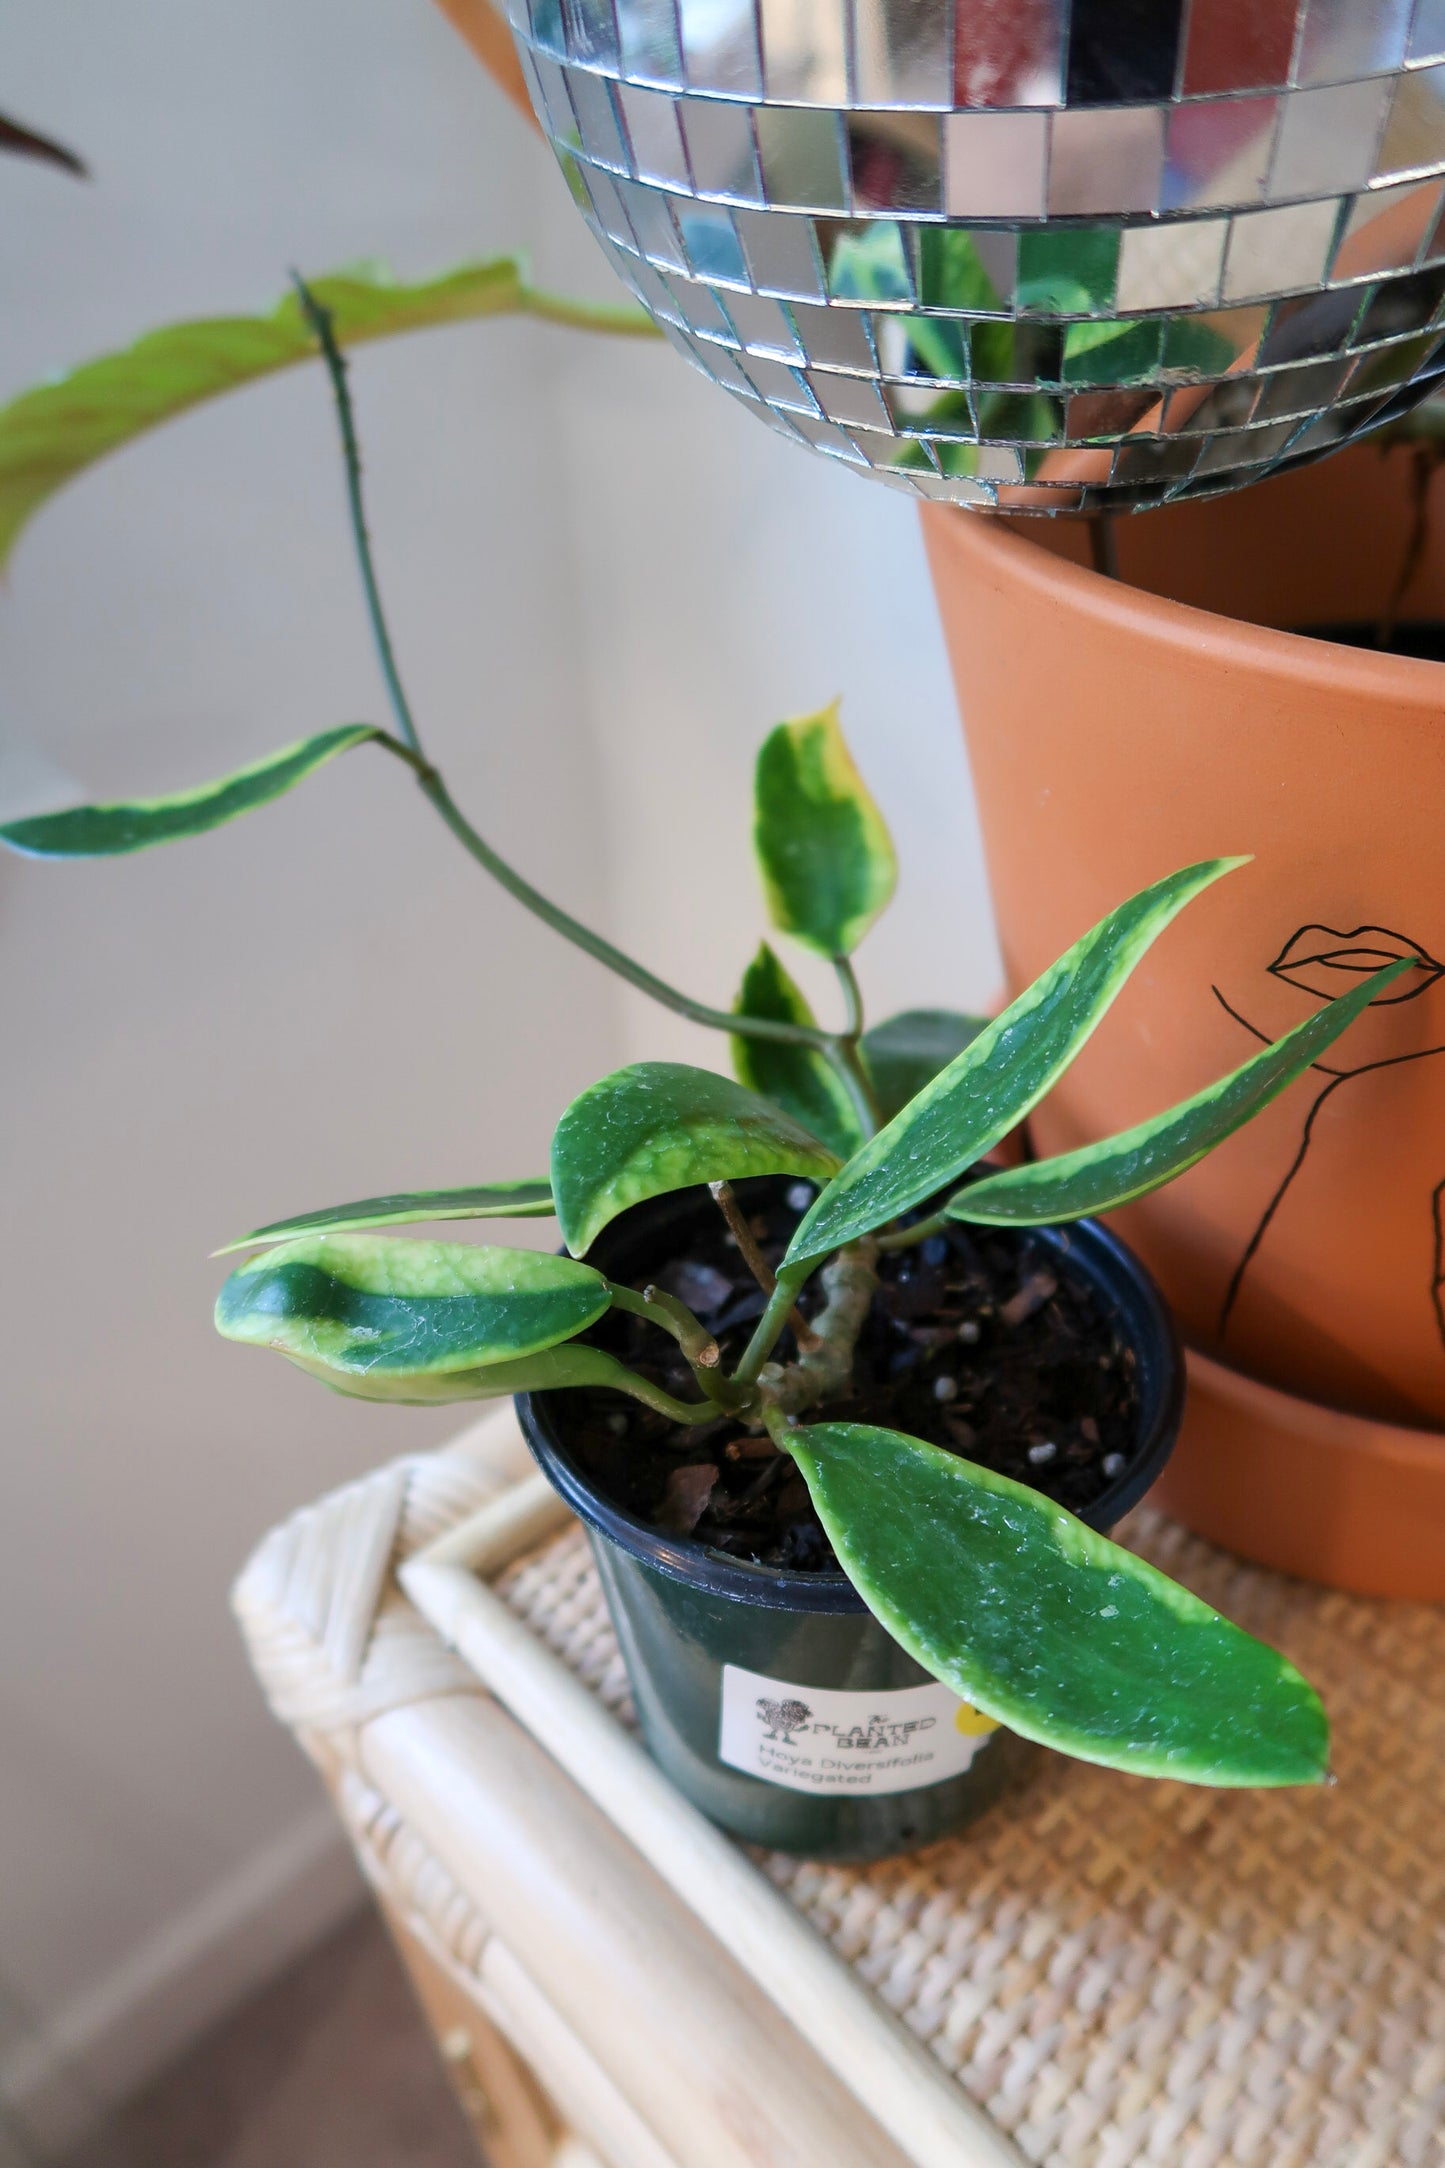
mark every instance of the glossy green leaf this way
{"type": "Point", "coordinates": [660, 1126]}
{"type": "Point", "coordinates": [1098, 1177]}
{"type": "Point", "coordinates": [495, 1200]}
{"type": "Point", "coordinates": [107, 831]}
{"type": "Point", "coordinates": [387, 1310]}
{"type": "Point", "coordinates": [824, 854]}
{"type": "Point", "coordinates": [552, 1369]}
{"type": "Point", "coordinates": [908, 1051]}
{"type": "Point", "coordinates": [1050, 1628]}
{"type": "Point", "coordinates": [1004, 1072]}
{"type": "Point", "coordinates": [51, 433]}
{"type": "Point", "coordinates": [795, 1078]}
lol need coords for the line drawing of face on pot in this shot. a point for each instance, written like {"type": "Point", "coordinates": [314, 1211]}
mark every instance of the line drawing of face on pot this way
{"type": "Point", "coordinates": [1320, 962]}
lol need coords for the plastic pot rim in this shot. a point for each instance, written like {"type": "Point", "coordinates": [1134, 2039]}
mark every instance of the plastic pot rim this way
{"type": "Point", "coordinates": [1141, 1318]}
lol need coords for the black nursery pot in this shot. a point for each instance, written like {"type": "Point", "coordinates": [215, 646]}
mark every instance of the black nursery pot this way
{"type": "Point", "coordinates": [773, 1698]}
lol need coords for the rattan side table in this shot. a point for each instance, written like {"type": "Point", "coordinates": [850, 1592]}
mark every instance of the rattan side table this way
{"type": "Point", "coordinates": [1102, 1972]}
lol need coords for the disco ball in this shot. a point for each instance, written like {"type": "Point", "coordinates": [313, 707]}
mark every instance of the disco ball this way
{"type": "Point", "coordinates": [1043, 255]}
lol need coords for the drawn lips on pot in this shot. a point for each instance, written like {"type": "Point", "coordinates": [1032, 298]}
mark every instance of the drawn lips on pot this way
{"type": "Point", "coordinates": [1322, 960]}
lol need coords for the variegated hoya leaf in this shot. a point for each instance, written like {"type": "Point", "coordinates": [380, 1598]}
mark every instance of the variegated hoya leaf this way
{"type": "Point", "coordinates": [495, 1200]}
{"type": "Point", "coordinates": [552, 1369]}
{"type": "Point", "coordinates": [1049, 1627]}
{"type": "Point", "coordinates": [825, 856]}
{"type": "Point", "coordinates": [795, 1078]}
{"type": "Point", "coordinates": [907, 1051]}
{"type": "Point", "coordinates": [999, 1077]}
{"type": "Point", "coordinates": [384, 1308]}
{"type": "Point", "coordinates": [109, 831]}
{"type": "Point", "coordinates": [659, 1126]}
{"type": "Point", "coordinates": [58, 429]}
{"type": "Point", "coordinates": [1100, 1177]}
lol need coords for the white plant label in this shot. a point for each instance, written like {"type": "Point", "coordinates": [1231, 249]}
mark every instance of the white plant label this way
{"type": "Point", "coordinates": [818, 1739]}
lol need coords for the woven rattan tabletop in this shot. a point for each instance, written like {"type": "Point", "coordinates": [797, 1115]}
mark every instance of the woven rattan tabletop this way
{"type": "Point", "coordinates": [1124, 1971]}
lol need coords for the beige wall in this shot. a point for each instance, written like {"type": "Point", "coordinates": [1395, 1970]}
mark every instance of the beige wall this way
{"type": "Point", "coordinates": [605, 583]}
{"type": "Point", "coordinates": [734, 579]}
{"type": "Point", "coordinates": [325, 1001]}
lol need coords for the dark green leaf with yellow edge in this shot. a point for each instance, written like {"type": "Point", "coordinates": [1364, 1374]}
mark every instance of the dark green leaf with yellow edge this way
{"type": "Point", "coordinates": [374, 1312]}
{"type": "Point", "coordinates": [660, 1126]}
{"type": "Point", "coordinates": [108, 831]}
{"type": "Point", "coordinates": [824, 854]}
{"type": "Point", "coordinates": [494, 1200]}
{"type": "Point", "coordinates": [1049, 1627]}
{"type": "Point", "coordinates": [1099, 1177]}
{"type": "Point", "coordinates": [995, 1081]}
{"type": "Point", "coordinates": [551, 1370]}
{"type": "Point", "coordinates": [795, 1078]}
{"type": "Point", "coordinates": [53, 432]}
{"type": "Point", "coordinates": [907, 1051]}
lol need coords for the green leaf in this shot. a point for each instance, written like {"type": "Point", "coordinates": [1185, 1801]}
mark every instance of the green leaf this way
{"type": "Point", "coordinates": [59, 428]}
{"type": "Point", "coordinates": [1099, 1177]}
{"type": "Point", "coordinates": [106, 831]}
{"type": "Point", "coordinates": [660, 1126]}
{"type": "Point", "coordinates": [375, 1312]}
{"type": "Point", "coordinates": [795, 1078]}
{"type": "Point", "coordinates": [550, 1370]}
{"type": "Point", "coordinates": [907, 1051]}
{"type": "Point", "coordinates": [1050, 1628]}
{"type": "Point", "coordinates": [1004, 1072]}
{"type": "Point", "coordinates": [496, 1200]}
{"type": "Point", "coordinates": [824, 854]}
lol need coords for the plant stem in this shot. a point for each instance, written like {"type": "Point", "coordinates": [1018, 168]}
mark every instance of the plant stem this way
{"type": "Point", "coordinates": [822, 1372]}
{"type": "Point", "coordinates": [752, 1256]}
{"type": "Point", "coordinates": [778, 1426]}
{"type": "Point", "coordinates": [593, 944]}
{"type": "Point", "coordinates": [903, 1238]}
{"type": "Point", "coordinates": [430, 779]}
{"type": "Point", "coordinates": [769, 1326]}
{"type": "Point", "coordinates": [846, 1063]}
{"type": "Point", "coordinates": [652, 1396]}
{"type": "Point", "coordinates": [723, 1197]}
{"type": "Point", "coordinates": [852, 997]}
{"type": "Point", "coordinates": [320, 322]}
{"type": "Point", "coordinates": [843, 1056]}
{"type": "Point", "coordinates": [672, 1317]}
{"type": "Point", "coordinates": [696, 1342]}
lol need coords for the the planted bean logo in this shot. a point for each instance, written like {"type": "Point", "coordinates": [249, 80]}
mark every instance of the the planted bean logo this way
{"type": "Point", "coordinates": [817, 1739]}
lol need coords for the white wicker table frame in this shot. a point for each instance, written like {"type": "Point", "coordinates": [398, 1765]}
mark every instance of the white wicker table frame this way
{"type": "Point", "coordinates": [614, 1981]}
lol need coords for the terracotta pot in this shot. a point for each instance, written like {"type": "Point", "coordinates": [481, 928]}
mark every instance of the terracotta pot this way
{"type": "Point", "coordinates": [1304, 1489]}
{"type": "Point", "coordinates": [1118, 728]}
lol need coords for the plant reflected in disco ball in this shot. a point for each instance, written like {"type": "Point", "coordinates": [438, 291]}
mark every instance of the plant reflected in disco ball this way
{"type": "Point", "coordinates": [1044, 255]}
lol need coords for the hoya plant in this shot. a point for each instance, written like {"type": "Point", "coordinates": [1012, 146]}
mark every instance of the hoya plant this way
{"type": "Point", "coordinates": [1032, 1617]}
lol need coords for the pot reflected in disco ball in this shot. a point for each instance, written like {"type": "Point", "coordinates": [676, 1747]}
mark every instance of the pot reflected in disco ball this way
{"type": "Point", "coordinates": [1044, 255]}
